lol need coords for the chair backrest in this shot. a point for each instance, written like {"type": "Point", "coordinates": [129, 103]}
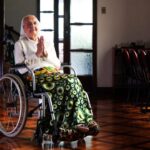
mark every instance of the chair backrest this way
{"type": "Point", "coordinates": [136, 64]}
{"type": "Point", "coordinates": [127, 62]}
{"type": "Point", "coordinates": [144, 63]}
{"type": "Point", "coordinates": [148, 59]}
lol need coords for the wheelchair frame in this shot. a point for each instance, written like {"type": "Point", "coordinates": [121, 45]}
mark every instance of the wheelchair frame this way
{"type": "Point", "coordinates": [14, 100]}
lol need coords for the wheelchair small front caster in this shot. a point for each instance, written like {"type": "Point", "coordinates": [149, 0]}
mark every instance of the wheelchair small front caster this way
{"type": "Point", "coordinates": [47, 141]}
{"type": "Point", "coordinates": [55, 139]}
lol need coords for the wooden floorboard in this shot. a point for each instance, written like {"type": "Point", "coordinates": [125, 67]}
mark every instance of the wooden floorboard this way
{"type": "Point", "coordinates": [123, 127]}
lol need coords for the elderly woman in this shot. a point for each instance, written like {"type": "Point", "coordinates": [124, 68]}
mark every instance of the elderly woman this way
{"type": "Point", "coordinates": [69, 99]}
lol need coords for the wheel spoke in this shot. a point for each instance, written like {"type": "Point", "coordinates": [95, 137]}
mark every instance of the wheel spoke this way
{"type": "Point", "coordinates": [12, 105]}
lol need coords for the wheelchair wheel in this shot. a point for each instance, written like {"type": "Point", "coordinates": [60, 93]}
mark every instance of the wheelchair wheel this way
{"type": "Point", "coordinates": [13, 105]}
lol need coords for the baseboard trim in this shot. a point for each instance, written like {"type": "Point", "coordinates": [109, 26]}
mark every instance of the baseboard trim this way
{"type": "Point", "coordinates": [104, 92]}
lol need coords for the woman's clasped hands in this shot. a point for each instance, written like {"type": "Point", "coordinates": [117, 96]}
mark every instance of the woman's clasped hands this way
{"type": "Point", "coordinates": [41, 52]}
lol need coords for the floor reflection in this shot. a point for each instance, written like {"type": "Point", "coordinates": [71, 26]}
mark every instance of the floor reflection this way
{"type": "Point", "coordinates": [26, 144]}
{"type": "Point", "coordinates": [8, 144]}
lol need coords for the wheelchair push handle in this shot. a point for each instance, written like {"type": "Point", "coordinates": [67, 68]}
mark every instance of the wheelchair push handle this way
{"type": "Point", "coordinates": [17, 66]}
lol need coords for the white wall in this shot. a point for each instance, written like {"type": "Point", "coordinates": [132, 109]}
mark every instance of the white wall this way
{"type": "Point", "coordinates": [111, 30]}
{"type": "Point", "coordinates": [16, 9]}
{"type": "Point", "coordinates": [125, 21]}
{"type": "Point", "coordinates": [139, 20]}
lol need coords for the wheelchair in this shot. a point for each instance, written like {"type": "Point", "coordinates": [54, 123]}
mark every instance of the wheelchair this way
{"type": "Point", "coordinates": [15, 97]}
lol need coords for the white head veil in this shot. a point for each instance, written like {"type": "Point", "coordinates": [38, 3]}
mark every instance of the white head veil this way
{"type": "Point", "coordinates": [22, 33]}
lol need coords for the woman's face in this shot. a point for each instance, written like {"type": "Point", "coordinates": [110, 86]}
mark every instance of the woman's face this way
{"type": "Point", "coordinates": [31, 27]}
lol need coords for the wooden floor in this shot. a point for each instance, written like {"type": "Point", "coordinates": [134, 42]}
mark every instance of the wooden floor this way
{"type": "Point", "coordinates": [123, 127]}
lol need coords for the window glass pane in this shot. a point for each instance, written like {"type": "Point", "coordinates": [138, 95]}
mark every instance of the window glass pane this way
{"type": "Point", "coordinates": [82, 63]}
{"type": "Point", "coordinates": [78, 14]}
{"type": "Point", "coordinates": [46, 20]}
{"type": "Point", "coordinates": [46, 5]}
{"type": "Point", "coordinates": [61, 28]}
{"type": "Point", "coordinates": [48, 35]}
{"type": "Point", "coordinates": [81, 37]}
{"type": "Point", "coordinates": [61, 7]}
{"type": "Point", "coordinates": [61, 52]}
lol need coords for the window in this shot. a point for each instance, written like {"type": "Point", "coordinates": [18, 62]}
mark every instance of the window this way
{"type": "Point", "coordinates": [52, 23]}
{"type": "Point", "coordinates": [71, 29]}
{"type": "Point", "coordinates": [46, 17]}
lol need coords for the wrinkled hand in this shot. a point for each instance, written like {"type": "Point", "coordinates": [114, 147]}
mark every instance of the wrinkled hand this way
{"type": "Point", "coordinates": [41, 52]}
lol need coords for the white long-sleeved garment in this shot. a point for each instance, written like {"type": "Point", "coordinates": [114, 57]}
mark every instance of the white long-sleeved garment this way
{"type": "Point", "coordinates": [25, 51]}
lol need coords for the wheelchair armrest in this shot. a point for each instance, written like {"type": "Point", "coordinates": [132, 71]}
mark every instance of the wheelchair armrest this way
{"type": "Point", "coordinates": [68, 66]}
{"type": "Point", "coordinates": [21, 66]}
{"type": "Point", "coordinates": [17, 66]}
